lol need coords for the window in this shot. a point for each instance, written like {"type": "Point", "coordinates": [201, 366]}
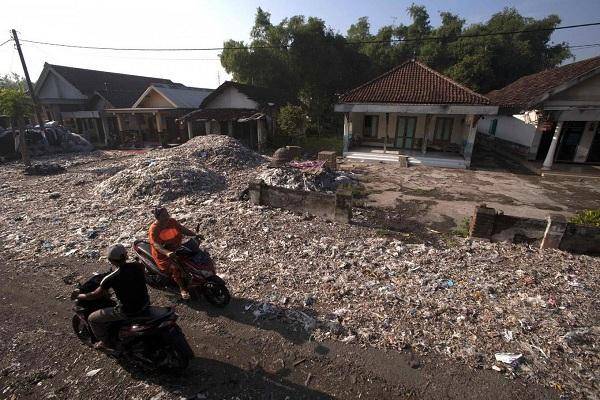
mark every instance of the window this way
{"type": "Point", "coordinates": [443, 129]}
{"type": "Point", "coordinates": [370, 128]}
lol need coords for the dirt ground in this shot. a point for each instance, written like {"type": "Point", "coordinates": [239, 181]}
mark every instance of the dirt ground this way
{"type": "Point", "coordinates": [236, 357]}
{"type": "Point", "coordinates": [441, 198]}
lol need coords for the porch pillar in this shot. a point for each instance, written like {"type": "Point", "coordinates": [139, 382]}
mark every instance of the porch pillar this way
{"type": "Point", "coordinates": [549, 160]}
{"type": "Point", "coordinates": [190, 129]}
{"type": "Point", "coordinates": [385, 138]}
{"type": "Point", "coordinates": [105, 129]}
{"type": "Point", "coordinates": [119, 122]}
{"type": "Point", "coordinates": [207, 127]}
{"type": "Point", "coordinates": [346, 142]}
{"type": "Point", "coordinates": [96, 128]}
{"type": "Point", "coordinates": [426, 133]}
{"type": "Point", "coordinates": [470, 140]}
{"type": "Point", "coordinates": [230, 128]}
{"type": "Point", "coordinates": [159, 129]}
{"type": "Point", "coordinates": [261, 133]}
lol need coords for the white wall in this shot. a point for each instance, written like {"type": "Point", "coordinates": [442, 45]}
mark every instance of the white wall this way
{"type": "Point", "coordinates": [509, 128]}
{"type": "Point", "coordinates": [55, 87]}
{"type": "Point", "coordinates": [232, 98]}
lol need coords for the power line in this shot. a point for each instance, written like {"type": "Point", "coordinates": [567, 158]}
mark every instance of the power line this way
{"type": "Point", "coordinates": [403, 40]}
{"type": "Point", "coordinates": [3, 43]}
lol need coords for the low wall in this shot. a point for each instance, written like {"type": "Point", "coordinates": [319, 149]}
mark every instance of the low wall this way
{"type": "Point", "coordinates": [336, 206]}
{"type": "Point", "coordinates": [553, 232]}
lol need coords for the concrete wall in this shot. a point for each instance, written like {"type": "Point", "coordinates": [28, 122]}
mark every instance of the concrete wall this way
{"type": "Point", "coordinates": [588, 90]}
{"type": "Point", "coordinates": [459, 129]}
{"type": "Point", "coordinates": [510, 128]}
{"type": "Point", "coordinates": [330, 206]}
{"type": "Point", "coordinates": [552, 232]}
{"type": "Point", "coordinates": [232, 98]}
{"type": "Point", "coordinates": [586, 141]}
{"type": "Point", "coordinates": [55, 87]}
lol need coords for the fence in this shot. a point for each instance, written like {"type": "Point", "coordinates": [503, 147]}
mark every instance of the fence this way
{"type": "Point", "coordinates": [553, 232]}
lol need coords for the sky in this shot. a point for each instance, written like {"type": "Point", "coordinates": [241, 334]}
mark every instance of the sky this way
{"type": "Point", "coordinates": [204, 23]}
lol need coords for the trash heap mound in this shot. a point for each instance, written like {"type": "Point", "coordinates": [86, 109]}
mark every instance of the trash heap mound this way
{"type": "Point", "coordinates": [219, 152]}
{"type": "Point", "coordinates": [159, 180]}
{"type": "Point", "coordinates": [308, 176]}
{"type": "Point", "coordinates": [54, 139]}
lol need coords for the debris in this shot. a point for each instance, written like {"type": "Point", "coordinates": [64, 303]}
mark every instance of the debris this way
{"type": "Point", "coordinates": [509, 358]}
{"type": "Point", "coordinates": [320, 179]}
{"type": "Point", "coordinates": [44, 169]}
{"type": "Point", "coordinates": [299, 362]}
{"type": "Point", "coordinates": [54, 195]}
{"type": "Point", "coordinates": [93, 372]}
{"type": "Point", "coordinates": [307, 381]}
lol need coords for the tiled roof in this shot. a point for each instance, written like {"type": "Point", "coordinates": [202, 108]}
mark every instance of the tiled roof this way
{"type": "Point", "coordinates": [122, 90]}
{"type": "Point", "coordinates": [526, 90]}
{"type": "Point", "coordinates": [413, 83]}
{"type": "Point", "coordinates": [262, 95]}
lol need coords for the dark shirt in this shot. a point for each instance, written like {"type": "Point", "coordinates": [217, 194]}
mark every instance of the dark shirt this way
{"type": "Point", "coordinates": [129, 285]}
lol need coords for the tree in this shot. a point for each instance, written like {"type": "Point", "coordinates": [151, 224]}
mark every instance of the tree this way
{"type": "Point", "coordinates": [291, 120]}
{"type": "Point", "coordinates": [15, 103]}
{"type": "Point", "coordinates": [12, 80]}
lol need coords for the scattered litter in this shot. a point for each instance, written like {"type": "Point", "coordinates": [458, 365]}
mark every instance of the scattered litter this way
{"type": "Point", "coordinates": [509, 358]}
{"type": "Point", "coordinates": [93, 372]}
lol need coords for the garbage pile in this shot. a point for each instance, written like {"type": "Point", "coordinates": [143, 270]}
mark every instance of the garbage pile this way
{"type": "Point", "coordinates": [308, 176]}
{"type": "Point", "coordinates": [218, 152]}
{"type": "Point", "coordinates": [53, 139]}
{"type": "Point", "coordinates": [158, 180]}
{"type": "Point", "coordinates": [508, 308]}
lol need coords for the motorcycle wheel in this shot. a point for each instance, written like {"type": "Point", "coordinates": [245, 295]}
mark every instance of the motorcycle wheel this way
{"type": "Point", "coordinates": [82, 330]}
{"type": "Point", "coordinates": [180, 353]}
{"type": "Point", "coordinates": [217, 294]}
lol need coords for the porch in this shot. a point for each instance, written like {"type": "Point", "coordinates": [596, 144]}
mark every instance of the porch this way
{"type": "Point", "coordinates": [414, 157]}
{"type": "Point", "coordinates": [139, 126]}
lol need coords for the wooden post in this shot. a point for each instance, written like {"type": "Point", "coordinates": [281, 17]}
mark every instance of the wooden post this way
{"type": "Point", "coordinates": [105, 129]}
{"type": "Point", "coordinates": [190, 129]}
{"type": "Point", "coordinates": [23, 142]}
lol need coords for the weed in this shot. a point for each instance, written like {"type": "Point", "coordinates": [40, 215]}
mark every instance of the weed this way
{"type": "Point", "coordinates": [462, 229]}
{"type": "Point", "coordinates": [587, 217]}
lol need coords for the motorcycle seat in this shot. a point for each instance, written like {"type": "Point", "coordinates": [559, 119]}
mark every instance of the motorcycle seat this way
{"type": "Point", "coordinates": [151, 314]}
{"type": "Point", "coordinates": [144, 248]}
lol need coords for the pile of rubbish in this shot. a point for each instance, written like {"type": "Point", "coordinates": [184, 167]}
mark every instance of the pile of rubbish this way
{"type": "Point", "coordinates": [158, 180]}
{"type": "Point", "coordinates": [218, 152]}
{"type": "Point", "coordinates": [53, 139]}
{"type": "Point", "coordinates": [508, 308]}
{"type": "Point", "coordinates": [308, 176]}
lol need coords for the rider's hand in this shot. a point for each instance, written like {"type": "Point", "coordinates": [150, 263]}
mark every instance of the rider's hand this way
{"type": "Point", "coordinates": [75, 294]}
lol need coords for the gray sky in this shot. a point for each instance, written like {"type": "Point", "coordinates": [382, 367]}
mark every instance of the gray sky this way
{"type": "Point", "coordinates": [203, 23]}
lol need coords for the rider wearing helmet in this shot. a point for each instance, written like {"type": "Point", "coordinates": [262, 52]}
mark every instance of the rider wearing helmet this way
{"type": "Point", "coordinates": [166, 235]}
{"type": "Point", "coordinates": [129, 285]}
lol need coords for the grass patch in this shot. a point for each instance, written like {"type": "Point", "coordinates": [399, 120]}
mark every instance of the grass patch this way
{"type": "Point", "coordinates": [462, 229]}
{"type": "Point", "coordinates": [587, 217]}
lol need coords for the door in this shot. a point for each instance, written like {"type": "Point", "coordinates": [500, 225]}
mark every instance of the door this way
{"type": "Point", "coordinates": [545, 141]}
{"type": "Point", "coordinates": [405, 132]}
{"type": "Point", "coordinates": [442, 134]}
{"type": "Point", "coordinates": [569, 140]}
{"type": "Point", "coordinates": [594, 153]}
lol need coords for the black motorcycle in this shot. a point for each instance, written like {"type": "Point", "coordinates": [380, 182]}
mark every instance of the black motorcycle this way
{"type": "Point", "coordinates": [151, 339]}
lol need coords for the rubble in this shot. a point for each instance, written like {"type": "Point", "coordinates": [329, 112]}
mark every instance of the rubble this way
{"type": "Point", "coordinates": [54, 139]}
{"type": "Point", "coordinates": [319, 179]}
{"type": "Point", "coordinates": [341, 282]}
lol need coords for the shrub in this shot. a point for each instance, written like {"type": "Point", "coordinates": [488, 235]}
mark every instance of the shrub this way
{"type": "Point", "coordinates": [587, 217]}
{"type": "Point", "coordinates": [291, 120]}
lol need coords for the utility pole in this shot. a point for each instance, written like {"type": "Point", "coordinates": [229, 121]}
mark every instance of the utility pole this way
{"type": "Point", "coordinates": [29, 84]}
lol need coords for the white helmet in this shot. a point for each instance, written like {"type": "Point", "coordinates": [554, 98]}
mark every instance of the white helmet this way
{"type": "Point", "coordinates": [117, 253]}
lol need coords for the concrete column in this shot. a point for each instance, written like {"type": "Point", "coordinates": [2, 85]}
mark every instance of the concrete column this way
{"type": "Point", "coordinates": [105, 129]}
{"type": "Point", "coordinates": [190, 129]}
{"type": "Point", "coordinates": [96, 128]}
{"type": "Point", "coordinates": [555, 230]}
{"type": "Point", "coordinates": [346, 142]}
{"type": "Point", "coordinates": [261, 132]}
{"type": "Point", "coordinates": [159, 126]}
{"type": "Point", "coordinates": [119, 122]}
{"type": "Point", "coordinates": [207, 127]}
{"type": "Point", "coordinates": [549, 160]}
{"type": "Point", "coordinates": [230, 128]}
{"type": "Point", "coordinates": [470, 141]}
{"type": "Point", "coordinates": [385, 137]}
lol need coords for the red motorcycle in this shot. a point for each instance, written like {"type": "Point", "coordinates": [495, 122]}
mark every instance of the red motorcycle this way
{"type": "Point", "coordinates": [197, 268]}
{"type": "Point", "coordinates": [152, 339]}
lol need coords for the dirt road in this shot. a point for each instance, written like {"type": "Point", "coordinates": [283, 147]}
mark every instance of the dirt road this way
{"type": "Point", "coordinates": [236, 356]}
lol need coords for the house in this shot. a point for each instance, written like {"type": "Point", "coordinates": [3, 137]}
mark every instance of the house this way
{"type": "Point", "coordinates": [551, 116]}
{"type": "Point", "coordinates": [155, 111]}
{"type": "Point", "coordinates": [243, 111]}
{"type": "Point", "coordinates": [78, 98]}
{"type": "Point", "coordinates": [415, 112]}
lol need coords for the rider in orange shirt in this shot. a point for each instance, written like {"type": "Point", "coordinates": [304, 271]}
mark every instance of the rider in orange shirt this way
{"type": "Point", "coordinates": [166, 236]}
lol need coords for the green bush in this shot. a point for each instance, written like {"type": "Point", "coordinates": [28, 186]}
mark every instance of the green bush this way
{"type": "Point", "coordinates": [291, 120]}
{"type": "Point", "coordinates": [462, 229]}
{"type": "Point", "coordinates": [587, 217]}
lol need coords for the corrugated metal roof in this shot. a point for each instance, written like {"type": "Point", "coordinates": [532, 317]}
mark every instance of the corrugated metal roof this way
{"type": "Point", "coordinates": [183, 96]}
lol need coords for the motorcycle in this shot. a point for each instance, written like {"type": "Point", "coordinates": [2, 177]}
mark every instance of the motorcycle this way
{"type": "Point", "coordinates": [198, 270]}
{"type": "Point", "coordinates": [151, 339]}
